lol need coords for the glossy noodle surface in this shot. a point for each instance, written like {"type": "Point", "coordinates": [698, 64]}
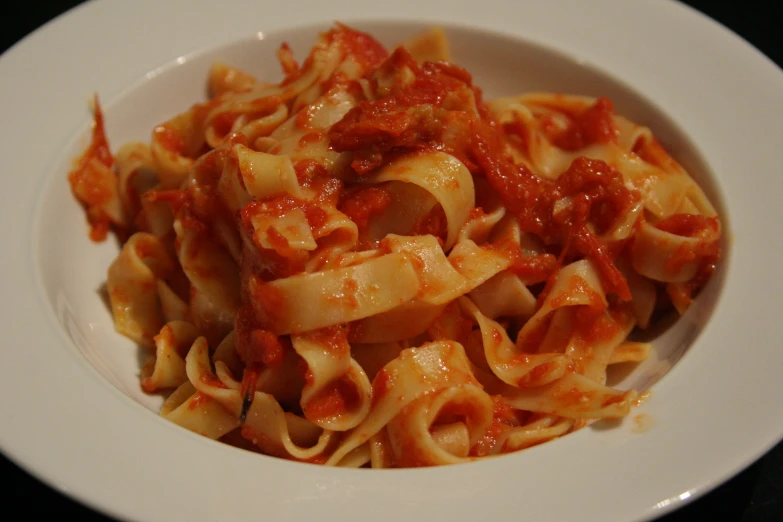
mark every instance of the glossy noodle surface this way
{"type": "Point", "coordinates": [368, 264]}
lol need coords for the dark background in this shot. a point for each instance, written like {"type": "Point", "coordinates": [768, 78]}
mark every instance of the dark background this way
{"type": "Point", "coordinates": [755, 495]}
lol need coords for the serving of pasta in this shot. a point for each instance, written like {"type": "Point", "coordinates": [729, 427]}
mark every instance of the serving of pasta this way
{"type": "Point", "coordinates": [368, 264]}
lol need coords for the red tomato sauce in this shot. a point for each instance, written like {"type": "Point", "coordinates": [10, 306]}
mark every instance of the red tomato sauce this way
{"type": "Point", "coordinates": [223, 122]}
{"type": "Point", "coordinates": [348, 296]}
{"type": "Point", "coordinates": [281, 260]}
{"type": "Point", "coordinates": [268, 302]}
{"type": "Point", "coordinates": [416, 117]}
{"type": "Point", "coordinates": [359, 47]}
{"type": "Point", "coordinates": [279, 206]}
{"type": "Point", "coordinates": [88, 183]}
{"type": "Point", "coordinates": [476, 213]}
{"type": "Point", "coordinates": [303, 118]}
{"type": "Point", "coordinates": [310, 137]}
{"type": "Point", "coordinates": [532, 268]}
{"type": "Point", "coordinates": [504, 417]}
{"type": "Point", "coordinates": [594, 125]}
{"type": "Point", "coordinates": [689, 225]}
{"type": "Point", "coordinates": [363, 48]}
{"type": "Point", "coordinates": [333, 338]}
{"type": "Point", "coordinates": [257, 347]}
{"type": "Point", "coordinates": [706, 250]}
{"type": "Point", "coordinates": [362, 204]}
{"type": "Point", "coordinates": [311, 174]}
{"type": "Point", "coordinates": [433, 223]}
{"type": "Point", "coordinates": [203, 200]}
{"type": "Point", "coordinates": [255, 344]}
{"type": "Point", "coordinates": [413, 118]}
{"type": "Point", "coordinates": [170, 139]}
{"type": "Point", "coordinates": [176, 198]}
{"type": "Point", "coordinates": [594, 326]}
{"type": "Point", "coordinates": [308, 169]}
{"type": "Point", "coordinates": [336, 399]}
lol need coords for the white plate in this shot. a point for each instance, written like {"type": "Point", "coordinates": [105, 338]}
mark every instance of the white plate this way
{"type": "Point", "coordinates": [71, 410]}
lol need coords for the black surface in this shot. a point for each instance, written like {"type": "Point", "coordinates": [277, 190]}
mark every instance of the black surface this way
{"type": "Point", "coordinates": [755, 495]}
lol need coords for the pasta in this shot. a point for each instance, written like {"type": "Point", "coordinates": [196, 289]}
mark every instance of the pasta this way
{"type": "Point", "coordinates": [369, 265]}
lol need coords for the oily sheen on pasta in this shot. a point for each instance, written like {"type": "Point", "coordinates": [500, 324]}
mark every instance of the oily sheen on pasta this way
{"type": "Point", "coordinates": [368, 264]}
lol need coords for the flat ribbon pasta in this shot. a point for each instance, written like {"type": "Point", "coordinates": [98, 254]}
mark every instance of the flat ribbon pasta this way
{"type": "Point", "coordinates": [307, 302]}
{"type": "Point", "coordinates": [417, 441]}
{"type": "Point", "coordinates": [266, 424]}
{"type": "Point", "coordinates": [444, 177]}
{"type": "Point", "coordinates": [336, 394]}
{"type": "Point", "coordinates": [213, 275]}
{"type": "Point", "coordinates": [415, 373]}
{"type": "Point", "coordinates": [171, 344]}
{"type": "Point", "coordinates": [367, 264]}
{"type": "Point", "coordinates": [131, 285]}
